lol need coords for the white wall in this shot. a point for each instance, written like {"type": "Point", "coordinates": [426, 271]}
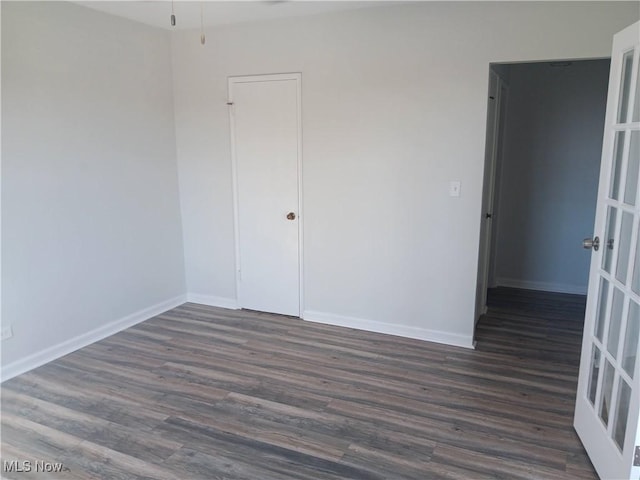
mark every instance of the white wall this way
{"type": "Point", "coordinates": [394, 107]}
{"type": "Point", "coordinates": [550, 170]}
{"type": "Point", "coordinates": [90, 206]}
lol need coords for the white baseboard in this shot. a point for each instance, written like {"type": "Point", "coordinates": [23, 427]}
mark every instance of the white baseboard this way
{"type": "Point", "coordinates": [56, 351]}
{"type": "Point", "coordinates": [542, 286]}
{"type": "Point", "coordinates": [213, 301]}
{"type": "Point", "coordinates": [390, 329]}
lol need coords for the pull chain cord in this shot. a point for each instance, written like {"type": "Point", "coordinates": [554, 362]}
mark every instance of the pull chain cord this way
{"type": "Point", "coordinates": [202, 39]}
{"type": "Point", "coordinates": [173, 16]}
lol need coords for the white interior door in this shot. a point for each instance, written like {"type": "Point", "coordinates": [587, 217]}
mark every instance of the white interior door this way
{"type": "Point", "coordinates": [495, 116]}
{"type": "Point", "coordinates": [607, 403]}
{"type": "Point", "coordinates": [265, 131]}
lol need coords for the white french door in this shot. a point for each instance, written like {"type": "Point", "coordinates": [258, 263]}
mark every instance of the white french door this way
{"type": "Point", "coordinates": [608, 397]}
{"type": "Point", "coordinates": [266, 150]}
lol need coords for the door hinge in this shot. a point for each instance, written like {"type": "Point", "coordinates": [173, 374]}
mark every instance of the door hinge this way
{"type": "Point", "coordinates": [636, 457]}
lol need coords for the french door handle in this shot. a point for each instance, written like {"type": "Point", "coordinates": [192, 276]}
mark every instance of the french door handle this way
{"type": "Point", "coordinates": [589, 243]}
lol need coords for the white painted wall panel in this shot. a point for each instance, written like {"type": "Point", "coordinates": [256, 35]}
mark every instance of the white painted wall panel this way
{"type": "Point", "coordinates": [91, 228]}
{"type": "Point", "coordinates": [394, 107]}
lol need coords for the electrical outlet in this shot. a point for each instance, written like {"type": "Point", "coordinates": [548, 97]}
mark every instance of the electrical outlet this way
{"type": "Point", "coordinates": [6, 332]}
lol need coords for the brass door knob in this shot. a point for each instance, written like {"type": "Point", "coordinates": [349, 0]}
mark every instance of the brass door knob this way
{"type": "Point", "coordinates": [291, 216]}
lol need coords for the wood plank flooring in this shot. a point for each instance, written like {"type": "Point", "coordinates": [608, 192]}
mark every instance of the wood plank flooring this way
{"type": "Point", "coordinates": [207, 393]}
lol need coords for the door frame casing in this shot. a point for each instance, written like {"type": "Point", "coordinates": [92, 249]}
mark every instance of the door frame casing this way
{"type": "Point", "coordinates": [231, 81]}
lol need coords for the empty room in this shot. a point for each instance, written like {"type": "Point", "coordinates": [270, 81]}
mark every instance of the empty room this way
{"type": "Point", "coordinates": [253, 240]}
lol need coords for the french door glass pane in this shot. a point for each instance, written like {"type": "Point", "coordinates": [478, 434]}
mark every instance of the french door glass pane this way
{"type": "Point", "coordinates": [622, 412]}
{"type": "Point", "coordinates": [636, 106]}
{"type": "Point", "coordinates": [615, 321]}
{"type": "Point", "coordinates": [625, 88]}
{"type": "Point", "coordinates": [635, 279]}
{"type": "Point", "coordinates": [607, 256]}
{"type": "Point", "coordinates": [632, 169]}
{"type": "Point", "coordinates": [618, 152]}
{"type": "Point", "coordinates": [602, 308]}
{"type": "Point", "coordinates": [606, 389]}
{"type": "Point", "coordinates": [631, 337]}
{"type": "Point", "coordinates": [624, 247]}
{"type": "Point", "coordinates": [593, 378]}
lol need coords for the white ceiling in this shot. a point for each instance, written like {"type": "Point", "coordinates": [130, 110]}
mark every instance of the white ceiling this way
{"type": "Point", "coordinates": [215, 13]}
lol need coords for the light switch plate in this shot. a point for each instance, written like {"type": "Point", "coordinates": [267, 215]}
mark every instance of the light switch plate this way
{"type": "Point", "coordinates": [454, 188]}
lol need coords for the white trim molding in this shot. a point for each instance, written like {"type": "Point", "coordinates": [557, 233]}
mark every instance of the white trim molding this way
{"type": "Point", "coordinates": [56, 351]}
{"type": "Point", "coordinates": [213, 301]}
{"type": "Point", "coordinates": [542, 286]}
{"type": "Point", "coordinates": [418, 333]}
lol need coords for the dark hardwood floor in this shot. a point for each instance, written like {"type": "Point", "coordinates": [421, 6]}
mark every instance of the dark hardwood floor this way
{"type": "Point", "coordinates": [207, 393]}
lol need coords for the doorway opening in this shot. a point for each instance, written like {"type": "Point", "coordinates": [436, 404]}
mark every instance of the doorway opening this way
{"type": "Point", "coordinates": [545, 124]}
